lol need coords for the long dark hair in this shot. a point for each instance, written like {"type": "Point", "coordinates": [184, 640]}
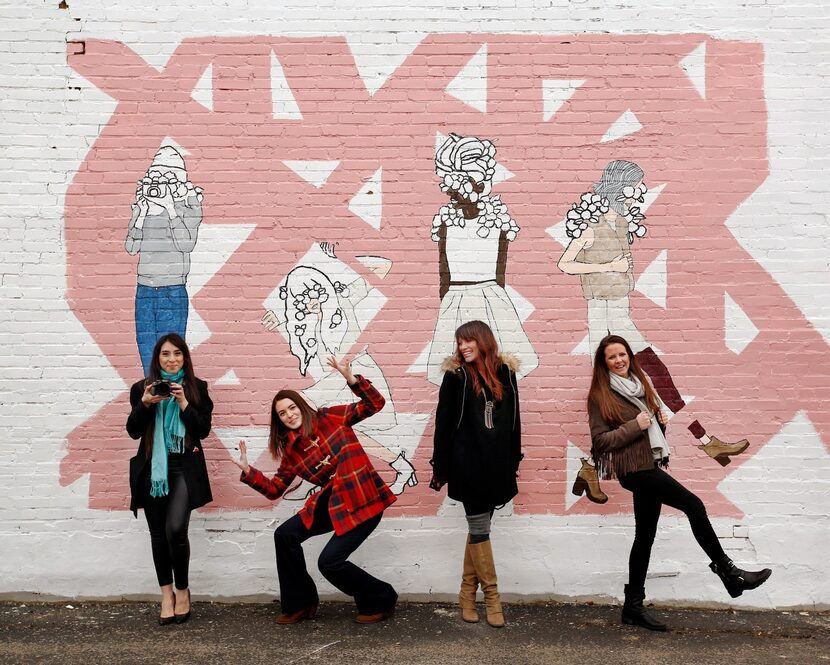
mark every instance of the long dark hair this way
{"type": "Point", "coordinates": [278, 434]}
{"type": "Point", "coordinates": [485, 369]}
{"type": "Point", "coordinates": [188, 382]}
{"type": "Point", "coordinates": [601, 393]}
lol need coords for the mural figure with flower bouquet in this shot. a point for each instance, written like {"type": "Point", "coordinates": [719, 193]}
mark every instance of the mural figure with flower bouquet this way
{"type": "Point", "coordinates": [602, 226]}
{"type": "Point", "coordinates": [473, 232]}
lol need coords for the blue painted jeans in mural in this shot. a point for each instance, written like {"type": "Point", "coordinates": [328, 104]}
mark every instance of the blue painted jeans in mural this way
{"type": "Point", "coordinates": [158, 310]}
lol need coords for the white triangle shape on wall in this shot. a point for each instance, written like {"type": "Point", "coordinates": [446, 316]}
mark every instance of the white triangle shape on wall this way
{"type": "Point", "coordinates": [203, 90]}
{"type": "Point", "coordinates": [283, 103]}
{"type": "Point", "coordinates": [739, 331]}
{"type": "Point", "coordinates": [555, 93]}
{"type": "Point", "coordinates": [439, 140]}
{"type": "Point", "coordinates": [653, 281]}
{"type": "Point", "coordinates": [501, 174]}
{"type": "Point", "coordinates": [558, 233]}
{"type": "Point", "coordinates": [216, 244]}
{"type": "Point", "coordinates": [694, 65]}
{"type": "Point", "coordinates": [229, 378]}
{"type": "Point", "coordinates": [378, 54]}
{"type": "Point", "coordinates": [470, 85]}
{"type": "Point", "coordinates": [379, 265]}
{"type": "Point", "coordinates": [315, 172]}
{"type": "Point", "coordinates": [524, 308]}
{"type": "Point", "coordinates": [626, 124]}
{"type": "Point", "coordinates": [256, 440]}
{"type": "Point", "coordinates": [583, 348]}
{"type": "Point", "coordinates": [197, 330]}
{"type": "Point", "coordinates": [420, 364]}
{"type": "Point", "coordinates": [368, 202]}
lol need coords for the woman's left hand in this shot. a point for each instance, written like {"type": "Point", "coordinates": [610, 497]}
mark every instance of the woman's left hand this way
{"type": "Point", "coordinates": [343, 368]}
{"type": "Point", "coordinates": [662, 418]}
{"type": "Point", "coordinates": [177, 391]}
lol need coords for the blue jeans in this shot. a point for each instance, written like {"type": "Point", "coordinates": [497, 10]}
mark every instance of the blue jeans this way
{"type": "Point", "coordinates": [158, 310]}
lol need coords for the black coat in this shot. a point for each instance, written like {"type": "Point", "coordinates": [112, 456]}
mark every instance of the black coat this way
{"type": "Point", "coordinates": [478, 462]}
{"type": "Point", "coordinates": [196, 421]}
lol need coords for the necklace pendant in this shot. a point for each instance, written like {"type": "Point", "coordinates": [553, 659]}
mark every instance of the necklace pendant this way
{"type": "Point", "coordinates": [488, 414]}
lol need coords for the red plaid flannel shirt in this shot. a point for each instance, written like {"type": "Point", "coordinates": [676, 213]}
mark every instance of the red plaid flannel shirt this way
{"type": "Point", "coordinates": [333, 457]}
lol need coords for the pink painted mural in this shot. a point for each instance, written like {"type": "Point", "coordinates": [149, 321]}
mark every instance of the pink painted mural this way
{"type": "Point", "coordinates": [338, 211]}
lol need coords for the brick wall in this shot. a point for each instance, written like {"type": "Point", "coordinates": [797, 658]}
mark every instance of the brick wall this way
{"type": "Point", "coordinates": [303, 144]}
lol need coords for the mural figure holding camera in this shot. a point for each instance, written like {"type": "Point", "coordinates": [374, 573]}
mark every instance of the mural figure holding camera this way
{"type": "Point", "coordinates": [163, 230]}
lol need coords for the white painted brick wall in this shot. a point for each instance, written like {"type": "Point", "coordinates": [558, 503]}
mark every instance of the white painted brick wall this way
{"type": "Point", "coordinates": [55, 377]}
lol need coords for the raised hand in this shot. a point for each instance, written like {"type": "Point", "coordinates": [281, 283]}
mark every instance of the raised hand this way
{"type": "Point", "coordinates": [242, 462]}
{"type": "Point", "coordinates": [343, 368]}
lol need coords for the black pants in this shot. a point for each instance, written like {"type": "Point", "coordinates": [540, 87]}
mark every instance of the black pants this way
{"type": "Point", "coordinates": [652, 489]}
{"type": "Point", "coordinates": [168, 518]}
{"type": "Point", "coordinates": [297, 589]}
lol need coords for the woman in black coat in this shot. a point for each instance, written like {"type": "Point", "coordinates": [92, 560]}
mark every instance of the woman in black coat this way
{"type": "Point", "coordinates": [477, 450]}
{"type": "Point", "coordinates": [171, 414]}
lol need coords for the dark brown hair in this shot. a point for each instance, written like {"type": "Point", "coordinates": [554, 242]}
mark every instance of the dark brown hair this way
{"type": "Point", "coordinates": [601, 393]}
{"type": "Point", "coordinates": [191, 393]}
{"type": "Point", "coordinates": [486, 366]}
{"type": "Point", "coordinates": [278, 434]}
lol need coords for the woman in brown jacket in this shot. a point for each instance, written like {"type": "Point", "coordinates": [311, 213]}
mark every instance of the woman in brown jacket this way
{"type": "Point", "coordinates": [628, 427]}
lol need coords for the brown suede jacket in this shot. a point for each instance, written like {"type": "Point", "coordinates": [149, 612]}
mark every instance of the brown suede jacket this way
{"type": "Point", "coordinates": [619, 449]}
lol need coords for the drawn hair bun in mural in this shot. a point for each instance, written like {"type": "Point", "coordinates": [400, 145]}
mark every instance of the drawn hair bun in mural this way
{"type": "Point", "coordinates": [464, 162]}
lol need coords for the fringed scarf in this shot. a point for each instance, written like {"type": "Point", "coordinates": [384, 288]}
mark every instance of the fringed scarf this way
{"type": "Point", "coordinates": [632, 390]}
{"type": "Point", "coordinates": [168, 437]}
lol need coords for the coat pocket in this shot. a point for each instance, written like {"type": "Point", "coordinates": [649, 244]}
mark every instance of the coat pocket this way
{"type": "Point", "coordinates": [359, 489]}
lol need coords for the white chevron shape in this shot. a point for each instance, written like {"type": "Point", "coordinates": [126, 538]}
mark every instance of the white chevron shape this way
{"type": "Point", "coordinates": [368, 202]}
{"type": "Point", "coordinates": [315, 172]}
{"type": "Point", "coordinates": [694, 65]}
{"type": "Point", "coordinates": [203, 90]}
{"type": "Point", "coordinates": [739, 330]}
{"type": "Point", "coordinates": [283, 103]}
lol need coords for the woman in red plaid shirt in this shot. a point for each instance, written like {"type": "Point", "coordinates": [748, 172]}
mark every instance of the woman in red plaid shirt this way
{"type": "Point", "coordinates": [320, 446]}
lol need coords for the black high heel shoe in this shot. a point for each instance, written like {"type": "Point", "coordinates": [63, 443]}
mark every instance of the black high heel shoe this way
{"type": "Point", "coordinates": [166, 621]}
{"type": "Point", "coordinates": [181, 618]}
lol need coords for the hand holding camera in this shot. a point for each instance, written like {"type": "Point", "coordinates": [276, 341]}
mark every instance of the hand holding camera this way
{"type": "Point", "coordinates": [162, 389]}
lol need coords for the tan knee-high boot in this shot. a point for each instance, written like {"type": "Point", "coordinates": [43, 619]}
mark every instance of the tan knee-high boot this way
{"type": "Point", "coordinates": [469, 586]}
{"type": "Point", "coordinates": [482, 554]}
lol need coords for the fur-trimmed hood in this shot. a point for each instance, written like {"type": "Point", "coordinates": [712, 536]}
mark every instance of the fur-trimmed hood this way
{"type": "Point", "coordinates": [513, 363]}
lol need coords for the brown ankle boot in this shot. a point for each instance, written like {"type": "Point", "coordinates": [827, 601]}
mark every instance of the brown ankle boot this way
{"type": "Point", "coordinates": [720, 451]}
{"type": "Point", "coordinates": [482, 555]}
{"type": "Point", "coordinates": [587, 482]}
{"type": "Point", "coordinates": [469, 586]}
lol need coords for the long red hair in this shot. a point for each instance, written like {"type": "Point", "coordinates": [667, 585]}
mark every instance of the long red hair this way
{"type": "Point", "coordinates": [601, 393]}
{"type": "Point", "coordinates": [485, 369]}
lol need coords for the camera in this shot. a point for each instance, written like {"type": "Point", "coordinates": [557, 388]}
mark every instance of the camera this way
{"type": "Point", "coordinates": [160, 388]}
{"type": "Point", "coordinates": [154, 190]}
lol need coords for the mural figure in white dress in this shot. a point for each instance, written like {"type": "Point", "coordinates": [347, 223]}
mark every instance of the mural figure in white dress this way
{"type": "Point", "coordinates": [319, 320]}
{"type": "Point", "coordinates": [473, 232]}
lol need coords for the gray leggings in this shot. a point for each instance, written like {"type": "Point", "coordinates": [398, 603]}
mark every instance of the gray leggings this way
{"type": "Point", "coordinates": [478, 522]}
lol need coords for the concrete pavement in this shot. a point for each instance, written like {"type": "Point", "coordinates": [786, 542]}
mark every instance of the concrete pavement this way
{"type": "Point", "coordinates": [126, 633]}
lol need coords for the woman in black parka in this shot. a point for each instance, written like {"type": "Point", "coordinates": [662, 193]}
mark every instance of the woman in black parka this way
{"type": "Point", "coordinates": [477, 450]}
{"type": "Point", "coordinates": [171, 414]}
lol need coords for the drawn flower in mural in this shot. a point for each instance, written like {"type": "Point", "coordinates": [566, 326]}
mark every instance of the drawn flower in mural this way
{"type": "Point", "coordinates": [590, 208]}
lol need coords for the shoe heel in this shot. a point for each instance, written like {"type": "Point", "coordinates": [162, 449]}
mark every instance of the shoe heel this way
{"type": "Point", "coordinates": [580, 486]}
{"type": "Point", "coordinates": [723, 460]}
{"type": "Point", "coordinates": [412, 481]}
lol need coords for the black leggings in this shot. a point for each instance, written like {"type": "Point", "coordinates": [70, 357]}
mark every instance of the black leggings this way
{"type": "Point", "coordinates": [652, 489]}
{"type": "Point", "coordinates": [168, 518]}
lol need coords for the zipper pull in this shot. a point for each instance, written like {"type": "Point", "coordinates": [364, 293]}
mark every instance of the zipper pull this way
{"type": "Point", "coordinates": [488, 414]}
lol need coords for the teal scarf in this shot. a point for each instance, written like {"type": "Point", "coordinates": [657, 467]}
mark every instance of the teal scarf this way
{"type": "Point", "coordinates": [168, 437]}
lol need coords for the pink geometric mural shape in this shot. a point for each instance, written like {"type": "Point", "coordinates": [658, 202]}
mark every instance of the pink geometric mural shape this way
{"type": "Point", "coordinates": [711, 153]}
